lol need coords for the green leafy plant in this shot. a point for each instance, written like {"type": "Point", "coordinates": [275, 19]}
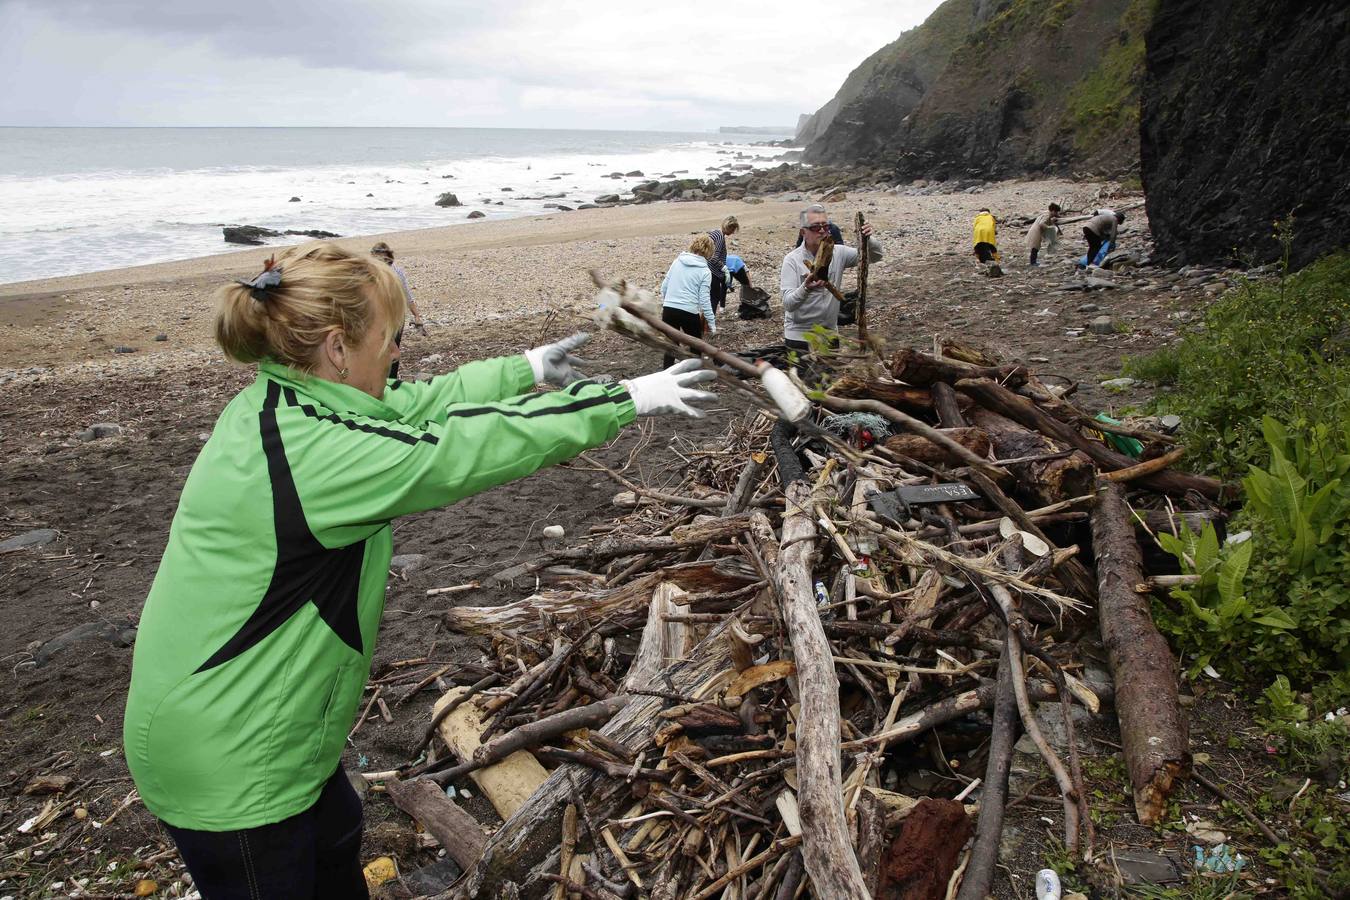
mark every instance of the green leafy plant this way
{"type": "Point", "coordinates": [1276, 605]}
{"type": "Point", "coordinates": [1275, 346]}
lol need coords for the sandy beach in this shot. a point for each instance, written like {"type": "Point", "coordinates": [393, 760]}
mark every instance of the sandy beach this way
{"type": "Point", "coordinates": [489, 288]}
{"type": "Point", "coordinates": [480, 272]}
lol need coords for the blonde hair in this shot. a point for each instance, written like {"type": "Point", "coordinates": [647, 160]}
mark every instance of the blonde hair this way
{"type": "Point", "coordinates": [730, 225]}
{"type": "Point", "coordinates": [322, 287]}
{"type": "Point", "coordinates": [703, 246]}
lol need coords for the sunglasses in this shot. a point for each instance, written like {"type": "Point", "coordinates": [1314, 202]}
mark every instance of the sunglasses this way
{"type": "Point", "coordinates": [819, 228]}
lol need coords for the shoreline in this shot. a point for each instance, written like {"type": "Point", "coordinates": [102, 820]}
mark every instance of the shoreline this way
{"type": "Point", "coordinates": [484, 271]}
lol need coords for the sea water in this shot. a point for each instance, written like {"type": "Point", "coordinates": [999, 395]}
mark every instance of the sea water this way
{"type": "Point", "coordinates": [75, 200]}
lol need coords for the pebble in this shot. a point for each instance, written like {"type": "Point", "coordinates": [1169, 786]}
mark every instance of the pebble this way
{"type": "Point", "coordinates": [554, 532]}
{"type": "Point", "coordinates": [1089, 308]}
{"type": "Point", "coordinates": [1102, 325]}
{"type": "Point", "coordinates": [1119, 384]}
{"type": "Point", "coordinates": [161, 336]}
{"type": "Point", "coordinates": [38, 537]}
{"type": "Point", "coordinates": [98, 431]}
{"type": "Point", "coordinates": [405, 564]}
{"type": "Point", "coordinates": [124, 349]}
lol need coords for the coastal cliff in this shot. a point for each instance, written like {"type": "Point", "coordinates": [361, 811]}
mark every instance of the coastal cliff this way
{"type": "Point", "coordinates": [1244, 121]}
{"type": "Point", "coordinates": [994, 88]}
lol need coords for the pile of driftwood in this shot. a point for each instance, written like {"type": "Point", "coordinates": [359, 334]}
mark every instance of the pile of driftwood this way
{"type": "Point", "coordinates": [715, 695]}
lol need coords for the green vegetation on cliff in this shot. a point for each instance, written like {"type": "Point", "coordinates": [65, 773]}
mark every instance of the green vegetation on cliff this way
{"type": "Point", "coordinates": [1106, 101]}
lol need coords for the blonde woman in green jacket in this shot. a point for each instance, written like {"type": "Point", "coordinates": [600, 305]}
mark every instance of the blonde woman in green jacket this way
{"type": "Point", "coordinates": [257, 636]}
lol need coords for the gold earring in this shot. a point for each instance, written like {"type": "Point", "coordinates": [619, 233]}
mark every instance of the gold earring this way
{"type": "Point", "coordinates": [343, 374]}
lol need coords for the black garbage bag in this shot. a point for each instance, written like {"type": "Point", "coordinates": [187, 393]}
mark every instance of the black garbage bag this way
{"type": "Point", "coordinates": [848, 309]}
{"type": "Point", "coordinates": [754, 304]}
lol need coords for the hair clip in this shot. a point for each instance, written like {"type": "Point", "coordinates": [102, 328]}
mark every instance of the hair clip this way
{"type": "Point", "coordinates": [264, 281]}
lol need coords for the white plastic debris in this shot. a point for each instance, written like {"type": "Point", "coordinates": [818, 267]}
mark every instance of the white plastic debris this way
{"type": "Point", "coordinates": [1047, 885]}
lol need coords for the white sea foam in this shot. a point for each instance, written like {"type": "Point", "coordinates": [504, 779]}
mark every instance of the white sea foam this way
{"type": "Point", "coordinates": [92, 217]}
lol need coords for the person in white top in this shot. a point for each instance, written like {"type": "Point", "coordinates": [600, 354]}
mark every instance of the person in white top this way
{"type": "Point", "coordinates": [807, 301]}
{"type": "Point", "coordinates": [1044, 228]}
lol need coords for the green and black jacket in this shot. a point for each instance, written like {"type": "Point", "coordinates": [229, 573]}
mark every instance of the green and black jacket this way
{"type": "Point", "coordinates": [256, 639]}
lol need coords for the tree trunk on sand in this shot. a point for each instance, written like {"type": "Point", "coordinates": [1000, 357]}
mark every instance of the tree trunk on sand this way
{"type": "Point", "coordinates": [998, 398]}
{"type": "Point", "coordinates": [947, 404]}
{"type": "Point", "coordinates": [1152, 730]}
{"type": "Point", "coordinates": [454, 829]}
{"type": "Point", "coordinates": [925, 451]}
{"type": "Point", "coordinates": [1047, 481]}
{"type": "Point", "coordinates": [921, 370]}
{"type": "Point", "coordinates": [827, 846]}
{"type": "Point", "coordinates": [898, 395]}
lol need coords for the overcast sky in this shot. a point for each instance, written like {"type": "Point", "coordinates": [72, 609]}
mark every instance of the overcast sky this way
{"type": "Point", "coordinates": [496, 63]}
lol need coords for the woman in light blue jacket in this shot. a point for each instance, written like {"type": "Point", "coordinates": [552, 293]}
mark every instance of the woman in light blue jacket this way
{"type": "Point", "coordinates": [686, 292]}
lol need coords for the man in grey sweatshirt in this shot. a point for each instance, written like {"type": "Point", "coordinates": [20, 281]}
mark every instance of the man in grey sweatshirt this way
{"type": "Point", "coordinates": [807, 302]}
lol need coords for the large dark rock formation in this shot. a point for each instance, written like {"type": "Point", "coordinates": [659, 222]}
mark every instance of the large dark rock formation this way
{"type": "Point", "coordinates": [1246, 119]}
{"type": "Point", "coordinates": [995, 88]}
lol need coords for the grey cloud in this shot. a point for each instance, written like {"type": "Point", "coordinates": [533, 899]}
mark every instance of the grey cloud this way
{"type": "Point", "coordinates": [415, 37]}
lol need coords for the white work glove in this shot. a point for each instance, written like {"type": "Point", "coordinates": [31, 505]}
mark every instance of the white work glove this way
{"type": "Point", "coordinates": [670, 391]}
{"type": "Point", "coordinates": [552, 363]}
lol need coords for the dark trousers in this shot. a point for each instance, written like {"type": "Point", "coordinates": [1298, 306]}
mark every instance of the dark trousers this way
{"type": "Point", "coordinates": [689, 323]}
{"type": "Point", "coordinates": [742, 276]}
{"type": "Point", "coordinates": [315, 855]}
{"type": "Point", "coordinates": [1094, 241]}
{"type": "Point", "coordinates": [984, 251]}
{"type": "Point", "coordinates": [1035, 252]}
{"type": "Point", "coordinates": [398, 342]}
{"type": "Point", "coordinates": [719, 292]}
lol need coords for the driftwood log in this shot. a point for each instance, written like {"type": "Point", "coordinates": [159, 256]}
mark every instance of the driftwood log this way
{"type": "Point", "coordinates": [1152, 730]}
{"type": "Point", "coordinates": [454, 829]}
{"type": "Point", "coordinates": [979, 877]}
{"type": "Point", "coordinates": [947, 405]}
{"type": "Point", "coordinates": [709, 576]}
{"type": "Point", "coordinates": [899, 395]}
{"type": "Point", "coordinates": [827, 849]}
{"type": "Point", "coordinates": [920, 448]}
{"type": "Point", "coordinates": [921, 370]}
{"type": "Point", "coordinates": [998, 398]}
{"type": "Point", "coordinates": [1044, 480]}
{"type": "Point", "coordinates": [532, 734]}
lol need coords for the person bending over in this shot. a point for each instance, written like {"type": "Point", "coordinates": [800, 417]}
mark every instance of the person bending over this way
{"type": "Point", "coordinates": [1101, 229]}
{"type": "Point", "coordinates": [986, 237]}
{"type": "Point", "coordinates": [686, 292]}
{"type": "Point", "coordinates": [256, 638]}
{"type": "Point", "coordinates": [807, 301]}
{"type": "Point", "coordinates": [1041, 230]}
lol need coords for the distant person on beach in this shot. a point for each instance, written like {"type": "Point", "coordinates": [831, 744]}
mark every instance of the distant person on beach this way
{"type": "Point", "coordinates": [807, 301]}
{"type": "Point", "coordinates": [986, 237]}
{"type": "Point", "coordinates": [382, 251]}
{"type": "Point", "coordinates": [1042, 230]}
{"type": "Point", "coordinates": [717, 263]}
{"type": "Point", "coordinates": [256, 639]}
{"type": "Point", "coordinates": [1101, 229]}
{"type": "Point", "coordinates": [686, 291]}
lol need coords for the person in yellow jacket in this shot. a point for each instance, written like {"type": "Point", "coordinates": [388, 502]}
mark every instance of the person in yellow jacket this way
{"type": "Point", "coordinates": [986, 237]}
